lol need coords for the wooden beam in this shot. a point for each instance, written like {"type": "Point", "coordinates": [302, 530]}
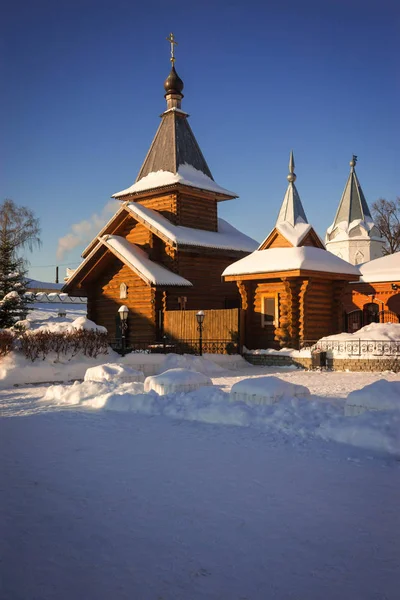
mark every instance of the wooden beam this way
{"type": "Point", "coordinates": [291, 273]}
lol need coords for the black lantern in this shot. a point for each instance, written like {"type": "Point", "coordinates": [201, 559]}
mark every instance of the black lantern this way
{"type": "Point", "coordinates": [123, 315]}
{"type": "Point", "coordinates": [200, 320]}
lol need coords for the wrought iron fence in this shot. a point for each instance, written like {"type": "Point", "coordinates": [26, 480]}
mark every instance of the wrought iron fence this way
{"type": "Point", "coordinates": [178, 347]}
{"type": "Point", "coordinates": [357, 347]}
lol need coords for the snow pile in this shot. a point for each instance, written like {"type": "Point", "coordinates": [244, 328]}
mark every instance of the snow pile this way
{"type": "Point", "coordinates": [186, 175]}
{"type": "Point", "coordinates": [55, 324]}
{"type": "Point", "coordinates": [189, 362]}
{"type": "Point", "coordinates": [385, 332]}
{"type": "Point", "coordinates": [356, 345]}
{"type": "Point", "coordinates": [15, 369]}
{"type": "Point", "coordinates": [266, 390]}
{"type": "Point", "coordinates": [291, 417]}
{"type": "Point", "coordinates": [381, 395]}
{"type": "Point", "coordinates": [44, 313]}
{"type": "Point", "coordinates": [114, 372]}
{"type": "Point", "coordinates": [176, 380]}
{"type": "Point", "coordinates": [91, 394]}
{"type": "Point", "coordinates": [378, 431]}
{"type": "Point", "coordinates": [82, 323]}
{"type": "Point", "coordinates": [304, 352]}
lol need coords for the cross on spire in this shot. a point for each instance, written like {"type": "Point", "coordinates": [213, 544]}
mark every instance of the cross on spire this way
{"type": "Point", "coordinates": [171, 40]}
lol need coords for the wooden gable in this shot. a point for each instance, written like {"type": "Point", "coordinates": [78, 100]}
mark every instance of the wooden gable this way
{"type": "Point", "coordinates": [276, 239]}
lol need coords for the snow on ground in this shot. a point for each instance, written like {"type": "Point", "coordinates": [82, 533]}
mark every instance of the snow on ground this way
{"type": "Point", "coordinates": [99, 504]}
{"type": "Point", "coordinates": [43, 313]}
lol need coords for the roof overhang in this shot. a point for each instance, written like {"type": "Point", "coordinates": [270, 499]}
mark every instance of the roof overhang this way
{"type": "Point", "coordinates": [290, 274]}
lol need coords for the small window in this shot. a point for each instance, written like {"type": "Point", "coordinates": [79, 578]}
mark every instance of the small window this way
{"type": "Point", "coordinates": [123, 291]}
{"type": "Point", "coordinates": [358, 258]}
{"type": "Point", "coordinates": [269, 311]}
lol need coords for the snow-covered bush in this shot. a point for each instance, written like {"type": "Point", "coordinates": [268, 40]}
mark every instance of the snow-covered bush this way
{"type": "Point", "coordinates": [114, 372]}
{"type": "Point", "coordinates": [176, 380]}
{"type": "Point", "coordinates": [6, 341]}
{"type": "Point", "coordinates": [39, 344]}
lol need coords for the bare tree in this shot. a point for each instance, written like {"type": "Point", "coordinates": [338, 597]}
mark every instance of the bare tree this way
{"type": "Point", "coordinates": [18, 226]}
{"type": "Point", "coordinates": [19, 229]}
{"type": "Point", "coordinates": [386, 214]}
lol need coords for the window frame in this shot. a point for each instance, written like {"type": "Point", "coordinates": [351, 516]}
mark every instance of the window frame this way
{"type": "Point", "coordinates": [265, 324]}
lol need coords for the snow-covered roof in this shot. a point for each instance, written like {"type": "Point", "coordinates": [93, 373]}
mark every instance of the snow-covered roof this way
{"type": "Point", "coordinates": [292, 209]}
{"type": "Point", "coordinates": [292, 221]}
{"type": "Point", "coordinates": [386, 268]}
{"type": "Point", "coordinates": [34, 283]}
{"type": "Point", "coordinates": [139, 261]}
{"type": "Point", "coordinates": [306, 258]}
{"type": "Point", "coordinates": [186, 175]}
{"type": "Point", "coordinates": [344, 228]}
{"type": "Point", "coordinates": [226, 238]}
{"type": "Point", "coordinates": [353, 210]}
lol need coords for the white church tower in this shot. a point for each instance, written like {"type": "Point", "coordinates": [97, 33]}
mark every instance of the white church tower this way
{"type": "Point", "coordinates": [353, 234]}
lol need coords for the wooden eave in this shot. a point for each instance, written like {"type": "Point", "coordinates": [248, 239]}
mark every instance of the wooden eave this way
{"type": "Point", "coordinates": [91, 261]}
{"type": "Point", "coordinates": [109, 228]}
{"type": "Point", "coordinates": [271, 238]}
{"type": "Point", "coordinates": [175, 187]}
{"type": "Point", "coordinates": [291, 274]}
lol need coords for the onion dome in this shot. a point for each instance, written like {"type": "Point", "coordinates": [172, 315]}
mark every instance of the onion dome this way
{"type": "Point", "coordinates": [173, 84]}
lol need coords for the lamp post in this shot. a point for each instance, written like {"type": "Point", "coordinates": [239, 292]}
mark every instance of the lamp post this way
{"type": "Point", "coordinates": [200, 319]}
{"type": "Point", "coordinates": [123, 315]}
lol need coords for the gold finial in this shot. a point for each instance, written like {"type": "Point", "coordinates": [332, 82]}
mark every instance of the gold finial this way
{"type": "Point", "coordinates": [171, 40]}
{"type": "Point", "coordinates": [353, 161]}
{"type": "Point", "coordinates": [292, 175]}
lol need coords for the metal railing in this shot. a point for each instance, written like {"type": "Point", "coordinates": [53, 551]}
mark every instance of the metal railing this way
{"type": "Point", "coordinates": [178, 347]}
{"type": "Point", "coordinates": [357, 347]}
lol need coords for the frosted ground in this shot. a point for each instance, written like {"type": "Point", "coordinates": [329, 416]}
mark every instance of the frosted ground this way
{"type": "Point", "coordinates": [108, 492]}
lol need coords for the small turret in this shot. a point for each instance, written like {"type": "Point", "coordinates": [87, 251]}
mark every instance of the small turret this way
{"type": "Point", "coordinates": [353, 234]}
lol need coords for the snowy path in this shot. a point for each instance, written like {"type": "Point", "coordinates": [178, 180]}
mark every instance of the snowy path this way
{"type": "Point", "coordinates": [121, 506]}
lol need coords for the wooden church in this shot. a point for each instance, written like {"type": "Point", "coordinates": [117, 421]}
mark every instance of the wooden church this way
{"type": "Point", "coordinates": [165, 248]}
{"type": "Point", "coordinates": [291, 287]}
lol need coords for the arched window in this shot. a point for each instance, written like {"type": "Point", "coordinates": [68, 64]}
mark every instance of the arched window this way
{"type": "Point", "coordinates": [358, 257]}
{"type": "Point", "coordinates": [123, 291]}
{"type": "Point", "coordinates": [370, 313]}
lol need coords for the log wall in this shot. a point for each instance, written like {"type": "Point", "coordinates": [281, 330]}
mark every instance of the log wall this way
{"type": "Point", "coordinates": [256, 335]}
{"type": "Point", "coordinates": [104, 301]}
{"type": "Point", "coordinates": [166, 204]}
{"type": "Point", "coordinates": [197, 212]}
{"type": "Point", "coordinates": [317, 318]}
{"type": "Point", "coordinates": [208, 291]}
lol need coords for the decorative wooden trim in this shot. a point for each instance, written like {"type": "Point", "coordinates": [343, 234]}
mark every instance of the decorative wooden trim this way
{"type": "Point", "coordinates": [302, 309]}
{"type": "Point", "coordinates": [243, 294]}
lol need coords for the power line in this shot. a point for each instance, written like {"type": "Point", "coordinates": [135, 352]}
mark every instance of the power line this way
{"type": "Point", "coordinates": [55, 265]}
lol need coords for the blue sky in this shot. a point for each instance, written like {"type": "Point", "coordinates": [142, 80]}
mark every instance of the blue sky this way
{"type": "Point", "coordinates": [83, 91]}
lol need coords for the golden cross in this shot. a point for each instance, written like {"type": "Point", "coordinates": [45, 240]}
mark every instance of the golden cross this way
{"type": "Point", "coordinates": [173, 43]}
